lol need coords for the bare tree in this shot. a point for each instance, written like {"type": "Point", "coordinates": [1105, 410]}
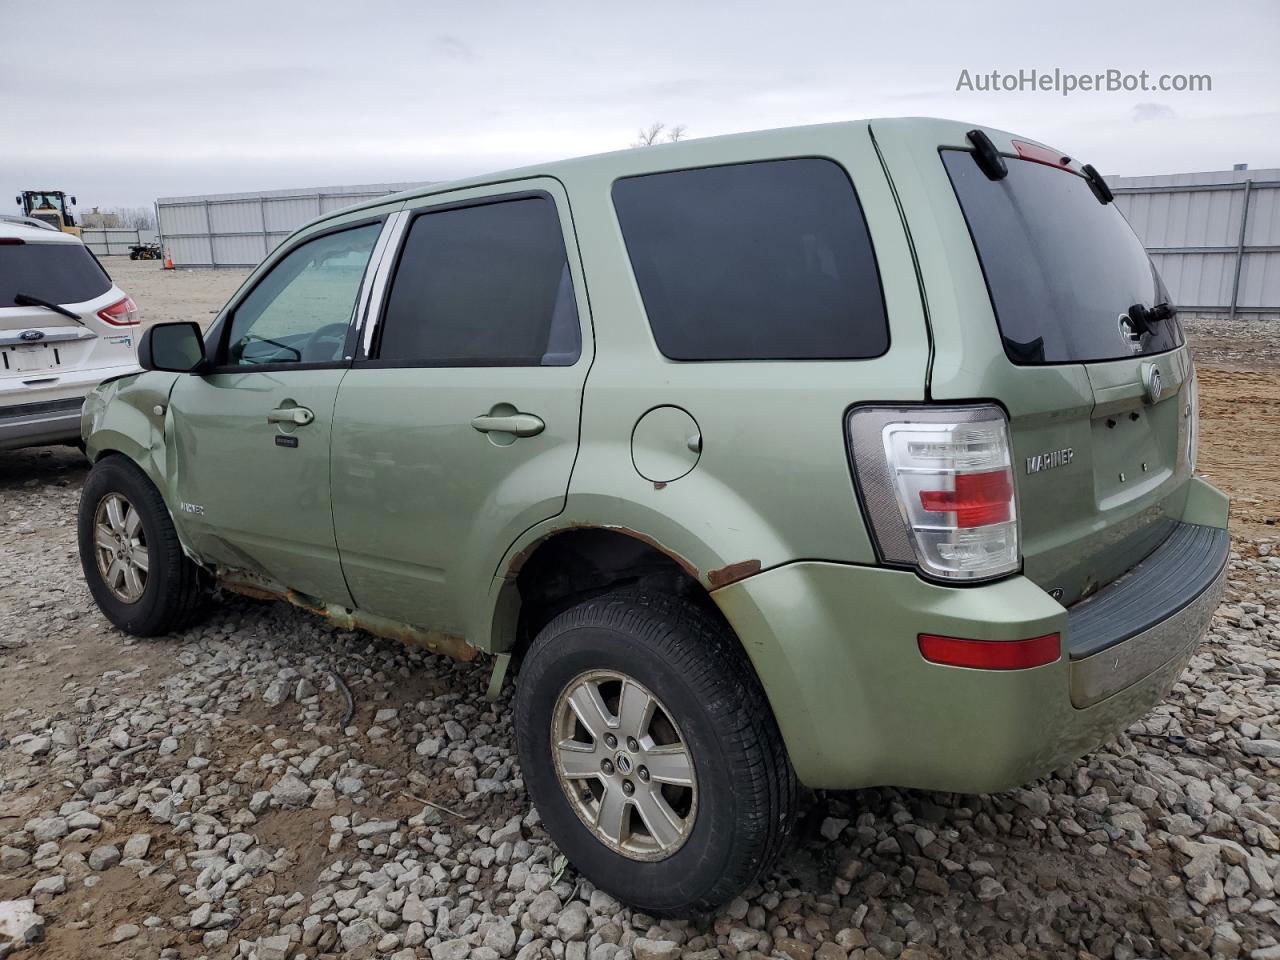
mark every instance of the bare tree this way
{"type": "Point", "coordinates": [648, 136]}
{"type": "Point", "coordinates": [136, 218]}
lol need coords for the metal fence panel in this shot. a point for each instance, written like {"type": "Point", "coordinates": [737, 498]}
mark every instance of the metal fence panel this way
{"type": "Point", "coordinates": [1214, 236]}
{"type": "Point", "coordinates": [239, 229]}
{"type": "Point", "coordinates": [285, 213]}
{"type": "Point", "coordinates": [113, 241]}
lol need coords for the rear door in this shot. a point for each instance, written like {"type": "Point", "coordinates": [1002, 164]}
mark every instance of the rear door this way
{"type": "Point", "coordinates": [457, 428]}
{"type": "Point", "coordinates": [1042, 298]}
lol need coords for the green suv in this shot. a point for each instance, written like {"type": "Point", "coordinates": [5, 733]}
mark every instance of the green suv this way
{"type": "Point", "coordinates": [841, 455]}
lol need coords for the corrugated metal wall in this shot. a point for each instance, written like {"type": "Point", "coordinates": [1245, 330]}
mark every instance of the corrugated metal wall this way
{"type": "Point", "coordinates": [114, 241]}
{"type": "Point", "coordinates": [1215, 237]}
{"type": "Point", "coordinates": [239, 229]}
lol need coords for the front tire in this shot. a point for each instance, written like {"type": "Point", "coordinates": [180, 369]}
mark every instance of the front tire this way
{"type": "Point", "coordinates": [650, 751]}
{"type": "Point", "coordinates": [129, 551]}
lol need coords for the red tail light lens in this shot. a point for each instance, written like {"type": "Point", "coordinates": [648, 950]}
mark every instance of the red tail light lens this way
{"type": "Point", "coordinates": [121, 314]}
{"type": "Point", "coordinates": [977, 500]}
{"type": "Point", "coordinates": [990, 654]}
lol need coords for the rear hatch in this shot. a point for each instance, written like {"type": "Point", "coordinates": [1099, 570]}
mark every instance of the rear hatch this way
{"type": "Point", "coordinates": [1043, 299]}
{"type": "Point", "coordinates": [39, 344]}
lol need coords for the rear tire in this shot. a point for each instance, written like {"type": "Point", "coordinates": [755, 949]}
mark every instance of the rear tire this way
{"type": "Point", "coordinates": [682, 663]}
{"type": "Point", "coordinates": [129, 550]}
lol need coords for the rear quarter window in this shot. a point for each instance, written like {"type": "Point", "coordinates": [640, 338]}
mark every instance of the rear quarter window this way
{"type": "Point", "coordinates": [58, 272]}
{"type": "Point", "coordinates": [754, 261]}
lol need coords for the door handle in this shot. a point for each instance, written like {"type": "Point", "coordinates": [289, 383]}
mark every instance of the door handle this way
{"type": "Point", "coordinates": [517, 424]}
{"type": "Point", "coordinates": [298, 416]}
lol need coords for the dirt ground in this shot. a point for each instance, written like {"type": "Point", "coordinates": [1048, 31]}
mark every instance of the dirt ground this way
{"type": "Point", "coordinates": [164, 296]}
{"type": "Point", "coordinates": [192, 740]}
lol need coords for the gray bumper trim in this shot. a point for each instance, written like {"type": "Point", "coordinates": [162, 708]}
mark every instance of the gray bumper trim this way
{"type": "Point", "coordinates": [34, 424]}
{"type": "Point", "coordinates": [1097, 677]}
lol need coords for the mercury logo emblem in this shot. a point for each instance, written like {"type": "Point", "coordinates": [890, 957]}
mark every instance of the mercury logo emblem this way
{"type": "Point", "coordinates": [1154, 383]}
{"type": "Point", "coordinates": [623, 763]}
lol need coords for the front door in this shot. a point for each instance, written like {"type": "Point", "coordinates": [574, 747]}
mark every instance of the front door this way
{"type": "Point", "coordinates": [251, 438]}
{"type": "Point", "coordinates": [458, 428]}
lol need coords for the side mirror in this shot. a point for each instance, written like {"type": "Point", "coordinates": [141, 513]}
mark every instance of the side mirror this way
{"type": "Point", "coordinates": [172, 347]}
{"type": "Point", "coordinates": [73, 201]}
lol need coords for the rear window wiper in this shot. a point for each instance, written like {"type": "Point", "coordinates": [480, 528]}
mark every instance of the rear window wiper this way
{"type": "Point", "coordinates": [26, 300]}
{"type": "Point", "coordinates": [1144, 319]}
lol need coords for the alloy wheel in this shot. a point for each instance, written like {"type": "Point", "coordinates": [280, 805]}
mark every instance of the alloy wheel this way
{"type": "Point", "coordinates": [624, 765]}
{"type": "Point", "coordinates": [120, 546]}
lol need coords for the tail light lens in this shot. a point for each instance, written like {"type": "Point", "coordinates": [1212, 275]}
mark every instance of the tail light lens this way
{"type": "Point", "coordinates": [123, 313]}
{"type": "Point", "coordinates": [937, 484]}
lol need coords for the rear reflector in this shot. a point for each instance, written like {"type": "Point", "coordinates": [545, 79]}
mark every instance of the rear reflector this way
{"type": "Point", "coordinates": [123, 313]}
{"type": "Point", "coordinates": [990, 654]}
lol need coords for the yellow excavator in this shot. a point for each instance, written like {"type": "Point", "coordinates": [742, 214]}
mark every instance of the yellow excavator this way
{"type": "Point", "coordinates": [50, 206]}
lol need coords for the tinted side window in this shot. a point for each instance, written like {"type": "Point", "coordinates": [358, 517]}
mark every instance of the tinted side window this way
{"type": "Point", "coordinates": [301, 310]}
{"type": "Point", "coordinates": [754, 261]}
{"type": "Point", "coordinates": [486, 285]}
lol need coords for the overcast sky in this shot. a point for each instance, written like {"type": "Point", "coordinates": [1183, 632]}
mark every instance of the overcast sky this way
{"type": "Point", "coordinates": [120, 103]}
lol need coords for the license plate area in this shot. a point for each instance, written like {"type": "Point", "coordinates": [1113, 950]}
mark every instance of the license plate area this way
{"type": "Point", "coordinates": [1134, 452]}
{"type": "Point", "coordinates": [25, 357]}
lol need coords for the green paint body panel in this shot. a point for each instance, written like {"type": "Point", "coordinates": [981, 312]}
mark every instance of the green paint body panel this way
{"type": "Point", "coordinates": [393, 504]}
{"type": "Point", "coordinates": [835, 647]}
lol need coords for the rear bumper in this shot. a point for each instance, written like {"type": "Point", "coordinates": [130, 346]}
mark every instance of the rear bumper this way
{"type": "Point", "coordinates": [35, 424]}
{"type": "Point", "coordinates": [50, 413]}
{"type": "Point", "coordinates": [1157, 611]}
{"type": "Point", "coordinates": [835, 647]}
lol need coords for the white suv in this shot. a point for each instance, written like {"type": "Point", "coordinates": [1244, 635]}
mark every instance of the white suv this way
{"type": "Point", "coordinates": [64, 328]}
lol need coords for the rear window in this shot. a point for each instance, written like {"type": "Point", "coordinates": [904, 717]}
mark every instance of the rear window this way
{"type": "Point", "coordinates": [754, 261]}
{"type": "Point", "coordinates": [57, 272]}
{"type": "Point", "coordinates": [1062, 268]}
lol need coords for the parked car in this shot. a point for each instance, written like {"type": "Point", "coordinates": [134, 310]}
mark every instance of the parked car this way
{"type": "Point", "coordinates": [64, 327]}
{"type": "Point", "coordinates": [843, 455]}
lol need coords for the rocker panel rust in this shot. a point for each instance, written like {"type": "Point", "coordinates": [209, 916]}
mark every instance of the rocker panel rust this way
{"type": "Point", "coordinates": [345, 618]}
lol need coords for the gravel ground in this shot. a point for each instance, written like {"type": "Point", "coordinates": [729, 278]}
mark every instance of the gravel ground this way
{"type": "Point", "coordinates": [198, 795]}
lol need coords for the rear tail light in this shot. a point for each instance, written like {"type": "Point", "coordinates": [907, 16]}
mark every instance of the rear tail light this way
{"type": "Point", "coordinates": [937, 484]}
{"type": "Point", "coordinates": [123, 313]}
{"type": "Point", "coordinates": [990, 654]}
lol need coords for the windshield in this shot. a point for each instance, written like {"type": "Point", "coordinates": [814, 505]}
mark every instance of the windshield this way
{"type": "Point", "coordinates": [46, 201]}
{"type": "Point", "coordinates": [58, 272]}
{"type": "Point", "coordinates": [1063, 269]}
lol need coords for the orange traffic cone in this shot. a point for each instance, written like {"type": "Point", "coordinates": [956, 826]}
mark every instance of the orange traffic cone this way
{"type": "Point", "coordinates": [168, 260]}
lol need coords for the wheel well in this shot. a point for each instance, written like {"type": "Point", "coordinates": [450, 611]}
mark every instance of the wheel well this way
{"type": "Point", "coordinates": [573, 566]}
